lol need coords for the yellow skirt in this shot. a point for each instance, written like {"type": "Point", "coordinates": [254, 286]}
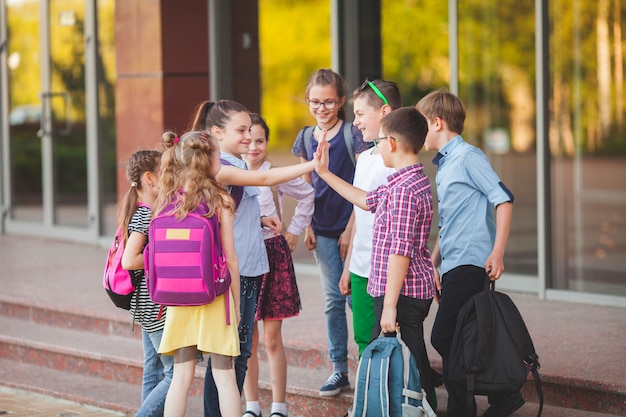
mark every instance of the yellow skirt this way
{"type": "Point", "coordinates": [202, 326]}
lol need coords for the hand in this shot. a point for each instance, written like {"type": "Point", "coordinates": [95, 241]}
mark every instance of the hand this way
{"type": "Point", "coordinates": [344, 283]}
{"type": "Point", "coordinates": [388, 322]}
{"type": "Point", "coordinates": [437, 285]}
{"type": "Point", "coordinates": [321, 154]}
{"type": "Point", "coordinates": [344, 243]}
{"type": "Point", "coordinates": [494, 266]}
{"type": "Point", "coordinates": [272, 223]}
{"type": "Point", "coordinates": [309, 238]}
{"type": "Point", "coordinates": [292, 240]}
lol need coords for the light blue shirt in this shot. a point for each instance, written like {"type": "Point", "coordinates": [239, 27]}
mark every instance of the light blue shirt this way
{"type": "Point", "coordinates": [249, 244]}
{"type": "Point", "coordinates": [468, 190]}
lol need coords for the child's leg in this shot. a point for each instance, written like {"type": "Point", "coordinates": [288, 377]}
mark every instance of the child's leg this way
{"type": "Point", "coordinates": [226, 381]}
{"type": "Point", "coordinates": [184, 368]}
{"type": "Point", "coordinates": [411, 315]}
{"type": "Point", "coordinates": [276, 358]}
{"type": "Point", "coordinates": [362, 312]}
{"type": "Point", "coordinates": [152, 366]}
{"type": "Point", "coordinates": [251, 383]}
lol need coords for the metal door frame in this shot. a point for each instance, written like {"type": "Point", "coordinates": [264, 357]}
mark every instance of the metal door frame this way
{"type": "Point", "coordinates": [48, 227]}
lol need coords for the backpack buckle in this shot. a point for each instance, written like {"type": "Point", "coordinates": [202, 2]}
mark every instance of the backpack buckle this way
{"type": "Point", "coordinates": [532, 362]}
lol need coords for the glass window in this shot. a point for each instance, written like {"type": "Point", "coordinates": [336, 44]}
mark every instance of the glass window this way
{"type": "Point", "coordinates": [497, 86]}
{"type": "Point", "coordinates": [588, 146]}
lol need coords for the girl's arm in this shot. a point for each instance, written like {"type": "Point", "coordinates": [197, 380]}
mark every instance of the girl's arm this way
{"type": "Point", "coordinates": [304, 194]}
{"type": "Point", "coordinates": [133, 251]}
{"type": "Point", "coordinates": [228, 246]}
{"type": "Point", "coordinates": [230, 175]}
{"type": "Point", "coordinates": [306, 177]}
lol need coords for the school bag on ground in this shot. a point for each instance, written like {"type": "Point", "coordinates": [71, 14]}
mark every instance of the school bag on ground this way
{"type": "Point", "coordinates": [388, 382]}
{"type": "Point", "coordinates": [119, 283]}
{"type": "Point", "coordinates": [492, 352]}
{"type": "Point", "coordinates": [184, 262]}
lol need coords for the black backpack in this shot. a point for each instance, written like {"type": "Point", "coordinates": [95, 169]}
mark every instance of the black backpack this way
{"type": "Point", "coordinates": [492, 351]}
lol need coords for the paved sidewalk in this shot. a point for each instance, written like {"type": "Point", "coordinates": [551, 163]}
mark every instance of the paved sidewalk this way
{"type": "Point", "coordinates": [18, 403]}
{"type": "Point", "coordinates": [576, 343]}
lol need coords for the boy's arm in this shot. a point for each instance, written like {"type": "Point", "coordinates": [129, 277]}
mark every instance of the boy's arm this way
{"type": "Point", "coordinates": [396, 273]}
{"type": "Point", "coordinates": [435, 257]}
{"type": "Point", "coordinates": [344, 281]}
{"type": "Point", "coordinates": [495, 261]}
{"type": "Point", "coordinates": [348, 191]}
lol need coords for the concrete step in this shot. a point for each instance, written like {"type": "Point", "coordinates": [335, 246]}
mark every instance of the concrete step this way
{"type": "Point", "coordinates": [107, 348]}
{"type": "Point", "coordinates": [121, 397]}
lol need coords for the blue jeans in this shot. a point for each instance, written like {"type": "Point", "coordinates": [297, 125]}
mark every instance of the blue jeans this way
{"type": "Point", "coordinates": [331, 266]}
{"type": "Point", "coordinates": [249, 298]}
{"type": "Point", "coordinates": [157, 375]}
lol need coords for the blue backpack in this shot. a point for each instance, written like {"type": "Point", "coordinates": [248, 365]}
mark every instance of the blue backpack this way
{"type": "Point", "coordinates": [388, 382]}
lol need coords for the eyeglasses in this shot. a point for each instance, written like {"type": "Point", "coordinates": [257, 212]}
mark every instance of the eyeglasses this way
{"type": "Point", "coordinates": [328, 105]}
{"type": "Point", "coordinates": [375, 89]}
{"type": "Point", "coordinates": [377, 140]}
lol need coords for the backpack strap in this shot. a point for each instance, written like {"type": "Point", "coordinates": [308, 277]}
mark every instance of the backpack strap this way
{"type": "Point", "coordinates": [521, 338]}
{"type": "Point", "coordinates": [236, 191]}
{"type": "Point", "coordinates": [347, 137]}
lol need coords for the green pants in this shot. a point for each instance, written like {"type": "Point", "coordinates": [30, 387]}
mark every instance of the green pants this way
{"type": "Point", "coordinates": [362, 312]}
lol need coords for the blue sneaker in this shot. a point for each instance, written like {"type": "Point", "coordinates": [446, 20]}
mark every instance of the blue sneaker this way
{"type": "Point", "coordinates": [336, 383]}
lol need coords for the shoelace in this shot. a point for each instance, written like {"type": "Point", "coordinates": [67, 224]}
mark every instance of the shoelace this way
{"type": "Point", "coordinates": [334, 378]}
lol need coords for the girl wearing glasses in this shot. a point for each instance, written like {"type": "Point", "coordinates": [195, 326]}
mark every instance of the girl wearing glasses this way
{"type": "Point", "coordinates": [329, 233]}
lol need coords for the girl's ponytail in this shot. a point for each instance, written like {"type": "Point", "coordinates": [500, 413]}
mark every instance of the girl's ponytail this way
{"type": "Point", "coordinates": [139, 163]}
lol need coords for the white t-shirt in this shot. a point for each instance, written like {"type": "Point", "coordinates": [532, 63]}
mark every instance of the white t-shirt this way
{"type": "Point", "coordinates": [370, 172]}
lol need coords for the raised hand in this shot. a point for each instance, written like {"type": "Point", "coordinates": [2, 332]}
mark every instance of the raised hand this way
{"type": "Point", "coordinates": [321, 155]}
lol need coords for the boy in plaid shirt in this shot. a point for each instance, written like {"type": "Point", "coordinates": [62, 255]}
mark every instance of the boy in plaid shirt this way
{"type": "Point", "coordinates": [401, 279]}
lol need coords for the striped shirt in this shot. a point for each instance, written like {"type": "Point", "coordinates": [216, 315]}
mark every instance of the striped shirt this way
{"type": "Point", "coordinates": [403, 210]}
{"type": "Point", "coordinates": [142, 309]}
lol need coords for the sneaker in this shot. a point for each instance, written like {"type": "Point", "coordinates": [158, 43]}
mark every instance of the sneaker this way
{"type": "Point", "coordinates": [505, 407]}
{"type": "Point", "coordinates": [336, 383]}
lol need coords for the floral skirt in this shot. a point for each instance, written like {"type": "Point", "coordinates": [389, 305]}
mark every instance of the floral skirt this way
{"type": "Point", "coordinates": [278, 295]}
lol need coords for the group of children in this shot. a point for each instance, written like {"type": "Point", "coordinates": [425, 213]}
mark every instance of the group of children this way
{"type": "Point", "coordinates": [366, 213]}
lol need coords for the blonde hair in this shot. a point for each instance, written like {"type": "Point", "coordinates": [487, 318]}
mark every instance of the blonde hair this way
{"type": "Point", "coordinates": [187, 165]}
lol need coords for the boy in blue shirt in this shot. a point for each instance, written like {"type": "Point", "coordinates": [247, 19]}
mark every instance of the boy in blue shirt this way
{"type": "Point", "coordinates": [470, 243]}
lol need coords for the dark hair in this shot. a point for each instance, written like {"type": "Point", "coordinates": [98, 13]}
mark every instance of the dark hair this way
{"type": "Point", "coordinates": [335, 80]}
{"type": "Point", "coordinates": [139, 163]}
{"type": "Point", "coordinates": [445, 105]}
{"type": "Point", "coordinates": [407, 125]}
{"type": "Point", "coordinates": [215, 113]}
{"type": "Point", "coordinates": [258, 120]}
{"type": "Point", "coordinates": [389, 89]}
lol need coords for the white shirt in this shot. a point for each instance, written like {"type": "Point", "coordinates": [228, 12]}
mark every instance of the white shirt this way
{"type": "Point", "coordinates": [369, 174]}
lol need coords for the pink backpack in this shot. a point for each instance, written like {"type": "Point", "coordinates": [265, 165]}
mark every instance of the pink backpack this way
{"type": "Point", "coordinates": [184, 262]}
{"type": "Point", "coordinates": [119, 283]}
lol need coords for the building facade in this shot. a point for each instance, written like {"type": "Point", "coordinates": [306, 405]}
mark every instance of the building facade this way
{"type": "Point", "coordinates": [84, 83]}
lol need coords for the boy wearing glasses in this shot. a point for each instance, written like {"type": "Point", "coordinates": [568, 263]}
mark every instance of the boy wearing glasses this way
{"type": "Point", "coordinates": [470, 244]}
{"type": "Point", "coordinates": [401, 278]}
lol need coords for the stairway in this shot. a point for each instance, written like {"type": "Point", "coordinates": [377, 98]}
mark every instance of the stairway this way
{"type": "Point", "coordinates": [61, 336]}
{"type": "Point", "coordinates": [98, 361]}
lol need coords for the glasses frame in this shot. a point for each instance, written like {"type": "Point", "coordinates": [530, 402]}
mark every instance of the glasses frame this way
{"type": "Point", "coordinates": [375, 89]}
{"type": "Point", "coordinates": [324, 103]}
{"type": "Point", "coordinates": [377, 140]}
